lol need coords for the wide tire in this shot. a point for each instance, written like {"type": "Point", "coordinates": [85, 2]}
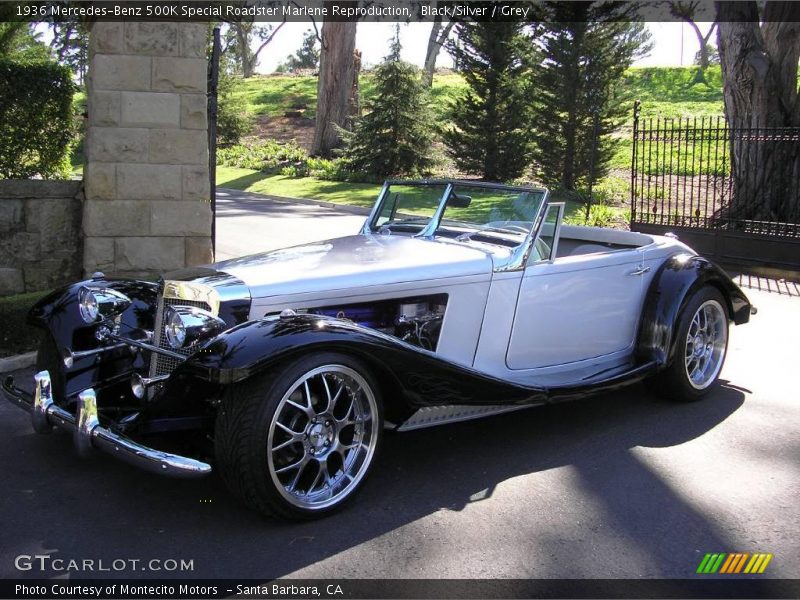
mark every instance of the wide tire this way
{"type": "Point", "coordinates": [298, 441]}
{"type": "Point", "coordinates": [700, 345]}
{"type": "Point", "coordinates": [49, 359]}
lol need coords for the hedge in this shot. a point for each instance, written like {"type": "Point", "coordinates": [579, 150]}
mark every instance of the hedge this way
{"type": "Point", "coordinates": [36, 126]}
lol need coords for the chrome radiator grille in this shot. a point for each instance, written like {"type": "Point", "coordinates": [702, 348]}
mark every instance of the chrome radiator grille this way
{"type": "Point", "coordinates": [159, 363]}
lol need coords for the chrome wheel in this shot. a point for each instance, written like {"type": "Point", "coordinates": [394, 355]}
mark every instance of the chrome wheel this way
{"type": "Point", "coordinates": [322, 437]}
{"type": "Point", "coordinates": [706, 341]}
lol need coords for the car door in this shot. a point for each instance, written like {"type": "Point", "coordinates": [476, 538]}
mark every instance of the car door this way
{"type": "Point", "coordinates": [574, 308]}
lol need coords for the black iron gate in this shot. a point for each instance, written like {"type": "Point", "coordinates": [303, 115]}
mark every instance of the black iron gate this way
{"type": "Point", "coordinates": [683, 181]}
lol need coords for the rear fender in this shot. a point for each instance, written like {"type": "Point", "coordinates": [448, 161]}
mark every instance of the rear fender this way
{"type": "Point", "coordinates": [671, 288]}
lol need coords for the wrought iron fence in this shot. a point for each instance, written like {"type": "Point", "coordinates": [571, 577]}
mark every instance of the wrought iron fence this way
{"type": "Point", "coordinates": [683, 175]}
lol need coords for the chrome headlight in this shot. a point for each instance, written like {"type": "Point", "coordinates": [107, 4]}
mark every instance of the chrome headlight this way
{"type": "Point", "coordinates": [100, 303]}
{"type": "Point", "coordinates": [186, 325]}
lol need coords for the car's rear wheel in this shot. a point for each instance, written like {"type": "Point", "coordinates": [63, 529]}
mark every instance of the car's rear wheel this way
{"type": "Point", "coordinates": [297, 442]}
{"type": "Point", "coordinates": [701, 343]}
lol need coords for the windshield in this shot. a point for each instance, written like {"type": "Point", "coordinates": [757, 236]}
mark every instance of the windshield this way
{"type": "Point", "coordinates": [409, 204]}
{"type": "Point", "coordinates": [487, 207]}
{"type": "Point", "coordinates": [469, 208]}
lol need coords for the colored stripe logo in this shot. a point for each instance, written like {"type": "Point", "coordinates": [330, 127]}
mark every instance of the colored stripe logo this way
{"type": "Point", "coordinates": [734, 563]}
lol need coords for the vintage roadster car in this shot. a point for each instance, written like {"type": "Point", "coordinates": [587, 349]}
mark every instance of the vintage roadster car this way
{"type": "Point", "coordinates": [456, 300]}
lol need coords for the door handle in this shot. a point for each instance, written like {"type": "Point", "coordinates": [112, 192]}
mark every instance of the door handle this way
{"type": "Point", "coordinates": [640, 270]}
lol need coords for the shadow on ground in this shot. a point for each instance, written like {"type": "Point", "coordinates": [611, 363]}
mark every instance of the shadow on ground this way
{"type": "Point", "coordinates": [57, 504]}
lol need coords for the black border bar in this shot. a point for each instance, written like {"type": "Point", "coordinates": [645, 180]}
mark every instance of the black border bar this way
{"type": "Point", "coordinates": [319, 10]}
{"type": "Point", "coordinates": [147, 589]}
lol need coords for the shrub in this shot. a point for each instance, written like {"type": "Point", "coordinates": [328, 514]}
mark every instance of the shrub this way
{"type": "Point", "coordinates": [289, 160]}
{"type": "Point", "coordinates": [267, 156]}
{"type": "Point", "coordinates": [36, 127]}
{"type": "Point", "coordinates": [612, 190]}
{"type": "Point", "coordinates": [600, 215]}
{"type": "Point", "coordinates": [233, 120]}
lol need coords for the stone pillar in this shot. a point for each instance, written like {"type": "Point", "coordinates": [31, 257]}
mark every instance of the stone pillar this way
{"type": "Point", "coordinates": [147, 207]}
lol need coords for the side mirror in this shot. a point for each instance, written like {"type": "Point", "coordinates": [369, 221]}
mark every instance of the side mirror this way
{"type": "Point", "coordinates": [459, 200]}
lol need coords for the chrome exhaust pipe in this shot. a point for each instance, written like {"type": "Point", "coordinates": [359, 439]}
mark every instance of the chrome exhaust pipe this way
{"type": "Point", "coordinates": [140, 384]}
{"type": "Point", "coordinates": [69, 357]}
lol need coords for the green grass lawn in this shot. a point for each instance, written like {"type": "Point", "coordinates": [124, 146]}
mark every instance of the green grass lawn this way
{"type": "Point", "coordinates": [341, 192]}
{"type": "Point", "coordinates": [666, 92]}
{"type": "Point", "coordinates": [273, 95]}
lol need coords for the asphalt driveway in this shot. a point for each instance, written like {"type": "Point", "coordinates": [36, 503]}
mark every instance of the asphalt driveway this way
{"type": "Point", "coordinates": [248, 223]}
{"type": "Point", "coordinates": [623, 485]}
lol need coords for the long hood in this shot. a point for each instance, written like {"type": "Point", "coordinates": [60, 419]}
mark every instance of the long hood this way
{"type": "Point", "coordinates": [354, 262]}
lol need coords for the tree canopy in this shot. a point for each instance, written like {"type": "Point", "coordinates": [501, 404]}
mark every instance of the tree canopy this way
{"type": "Point", "coordinates": [395, 137]}
{"type": "Point", "coordinates": [491, 129]}
{"type": "Point", "coordinates": [586, 48]}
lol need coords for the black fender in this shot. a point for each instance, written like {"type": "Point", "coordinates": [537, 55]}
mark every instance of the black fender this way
{"type": "Point", "coordinates": [58, 314]}
{"type": "Point", "coordinates": [410, 377]}
{"type": "Point", "coordinates": [673, 284]}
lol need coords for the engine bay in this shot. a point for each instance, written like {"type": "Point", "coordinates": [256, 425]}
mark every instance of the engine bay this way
{"type": "Point", "coordinates": [416, 320]}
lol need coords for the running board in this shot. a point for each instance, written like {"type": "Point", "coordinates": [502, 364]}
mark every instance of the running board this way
{"type": "Point", "coordinates": [430, 416]}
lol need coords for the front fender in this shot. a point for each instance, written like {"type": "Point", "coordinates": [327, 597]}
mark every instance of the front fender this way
{"type": "Point", "coordinates": [422, 377]}
{"type": "Point", "coordinates": [57, 313]}
{"type": "Point", "coordinates": [672, 286]}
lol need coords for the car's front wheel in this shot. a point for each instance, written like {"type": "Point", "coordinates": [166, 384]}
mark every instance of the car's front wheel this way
{"type": "Point", "coordinates": [297, 442]}
{"type": "Point", "coordinates": [701, 343]}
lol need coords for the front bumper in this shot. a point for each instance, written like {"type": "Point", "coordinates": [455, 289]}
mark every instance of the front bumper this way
{"type": "Point", "coordinates": [88, 433]}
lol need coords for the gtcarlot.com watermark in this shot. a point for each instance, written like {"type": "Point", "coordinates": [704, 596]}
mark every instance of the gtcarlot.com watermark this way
{"type": "Point", "coordinates": [42, 563]}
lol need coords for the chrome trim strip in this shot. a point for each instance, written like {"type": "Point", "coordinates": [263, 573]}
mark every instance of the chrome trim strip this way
{"type": "Point", "coordinates": [430, 229]}
{"type": "Point", "coordinates": [88, 433]}
{"type": "Point", "coordinates": [373, 215]}
{"type": "Point", "coordinates": [431, 416]}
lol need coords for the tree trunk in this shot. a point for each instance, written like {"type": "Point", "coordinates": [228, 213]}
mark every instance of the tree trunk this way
{"type": "Point", "coordinates": [759, 69]}
{"type": "Point", "coordinates": [702, 40]}
{"type": "Point", "coordinates": [436, 40]}
{"type": "Point", "coordinates": [355, 91]}
{"type": "Point", "coordinates": [246, 61]}
{"type": "Point", "coordinates": [248, 66]}
{"type": "Point", "coordinates": [335, 84]}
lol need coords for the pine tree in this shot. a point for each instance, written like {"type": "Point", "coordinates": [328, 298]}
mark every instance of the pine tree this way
{"type": "Point", "coordinates": [586, 49]}
{"type": "Point", "coordinates": [491, 133]}
{"type": "Point", "coordinates": [395, 137]}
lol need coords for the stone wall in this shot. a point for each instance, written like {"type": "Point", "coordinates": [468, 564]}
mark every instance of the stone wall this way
{"type": "Point", "coordinates": [147, 206]}
{"type": "Point", "coordinates": [40, 234]}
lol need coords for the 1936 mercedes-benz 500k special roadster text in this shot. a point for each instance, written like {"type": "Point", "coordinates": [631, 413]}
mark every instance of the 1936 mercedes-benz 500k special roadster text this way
{"type": "Point", "coordinates": [456, 300]}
